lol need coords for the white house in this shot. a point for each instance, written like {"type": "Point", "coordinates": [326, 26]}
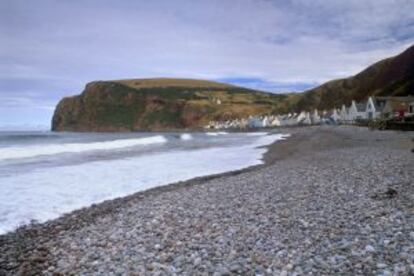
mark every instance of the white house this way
{"type": "Point", "coordinates": [335, 116]}
{"type": "Point", "coordinates": [324, 117]}
{"type": "Point", "coordinates": [282, 119]}
{"type": "Point", "coordinates": [244, 123]}
{"type": "Point", "coordinates": [352, 113]}
{"type": "Point", "coordinates": [374, 108]}
{"type": "Point", "coordinates": [255, 122]}
{"type": "Point", "coordinates": [301, 117]}
{"type": "Point", "coordinates": [265, 121]}
{"type": "Point", "coordinates": [356, 111]}
{"type": "Point", "coordinates": [343, 115]}
{"type": "Point", "coordinates": [274, 121]}
{"type": "Point", "coordinates": [307, 120]}
{"type": "Point", "coordinates": [315, 118]}
{"type": "Point", "coordinates": [288, 120]}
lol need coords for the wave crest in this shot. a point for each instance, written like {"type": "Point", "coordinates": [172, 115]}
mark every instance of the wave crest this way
{"type": "Point", "coordinates": [216, 133]}
{"type": "Point", "coordinates": [186, 136]}
{"type": "Point", "coordinates": [33, 151]}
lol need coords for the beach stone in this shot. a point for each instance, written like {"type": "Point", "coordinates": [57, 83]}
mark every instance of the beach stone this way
{"type": "Point", "coordinates": [311, 211]}
{"type": "Point", "coordinates": [197, 261]}
{"type": "Point", "coordinates": [369, 249]}
{"type": "Point", "coordinates": [283, 273]}
{"type": "Point", "coordinates": [381, 265]}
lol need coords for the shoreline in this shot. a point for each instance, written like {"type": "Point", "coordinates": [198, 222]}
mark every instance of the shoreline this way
{"type": "Point", "coordinates": [96, 208]}
{"type": "Point", "coordinates": [282, 159]}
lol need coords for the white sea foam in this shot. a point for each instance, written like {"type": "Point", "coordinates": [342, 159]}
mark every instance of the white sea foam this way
{"type": "Point", "coordinates": [257, 133]}
{"type": "Point", "coordinates": [186, 136]}
{"type": "Point", "coordinates": [38, 150]}
{"type": "Point", "coordinates": [47, 193]}
{"type": "Point", "coordinates": [284, 136]}
{"type": "Point", "coordinates": [216, 133]}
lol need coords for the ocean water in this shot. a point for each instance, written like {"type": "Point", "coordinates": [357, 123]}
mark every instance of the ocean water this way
{"type": "Point", "coordinates": [44, 174]}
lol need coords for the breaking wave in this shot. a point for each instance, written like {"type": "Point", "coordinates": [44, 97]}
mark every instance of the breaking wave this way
{"type": "Point", "coordinates": [257, 133]}
{"type": "Point", "coordinates": [216, 133]}
{"type": "Point", "coordinates": [39, 150]}
{"type": "Point", "coordinates": [186, 136]}
{"type": "Point", "coordinates": [47, 193]}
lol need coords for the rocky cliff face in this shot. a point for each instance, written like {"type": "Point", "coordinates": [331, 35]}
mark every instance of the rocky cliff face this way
{"type": "Point", "coordinates": [131, 106]}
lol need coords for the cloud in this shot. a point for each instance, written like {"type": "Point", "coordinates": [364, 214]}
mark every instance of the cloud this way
{"type": "Point", "coordinates": [52, 48]}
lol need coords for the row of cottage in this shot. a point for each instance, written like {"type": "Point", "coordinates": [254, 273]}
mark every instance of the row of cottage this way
{"type": "Point", "coordinates": [375, 107]}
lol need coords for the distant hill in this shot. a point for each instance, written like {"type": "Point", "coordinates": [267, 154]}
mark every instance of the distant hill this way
{"type": "Point", "coordinates": [158, 104]}
{"type": "Point", "coordinates": [389, 77]}
{"type": "Point", "coordinates": [168, 104]}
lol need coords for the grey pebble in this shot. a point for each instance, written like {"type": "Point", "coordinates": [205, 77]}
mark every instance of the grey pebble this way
{"type": "Point", "coordinates": [321, 208]}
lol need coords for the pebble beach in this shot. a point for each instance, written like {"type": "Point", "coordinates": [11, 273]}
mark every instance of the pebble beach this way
{"type": "Point", "coordinates": [329, 200]}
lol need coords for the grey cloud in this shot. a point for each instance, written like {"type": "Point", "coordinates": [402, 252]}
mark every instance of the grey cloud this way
{"type": "Point", "coordinates": [52, 48]}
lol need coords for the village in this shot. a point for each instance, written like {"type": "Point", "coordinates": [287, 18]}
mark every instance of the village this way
{"type": "Point", "coordinates": [375, 108]}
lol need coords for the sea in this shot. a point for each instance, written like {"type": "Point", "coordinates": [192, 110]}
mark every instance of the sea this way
{"type": "Point", "coordinates": [44, 174]}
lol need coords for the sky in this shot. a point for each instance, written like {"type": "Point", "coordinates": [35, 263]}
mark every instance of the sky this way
{"type": "Point", "coordinates": [50, 49]}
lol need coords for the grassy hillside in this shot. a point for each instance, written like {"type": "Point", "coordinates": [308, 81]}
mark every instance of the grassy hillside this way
{"type": "Point", "coordinates": [390, 77]}
{"type": "Point", "coordinates": [170, 82]}
{"type": "Point", "coordinates": [159, 104]}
